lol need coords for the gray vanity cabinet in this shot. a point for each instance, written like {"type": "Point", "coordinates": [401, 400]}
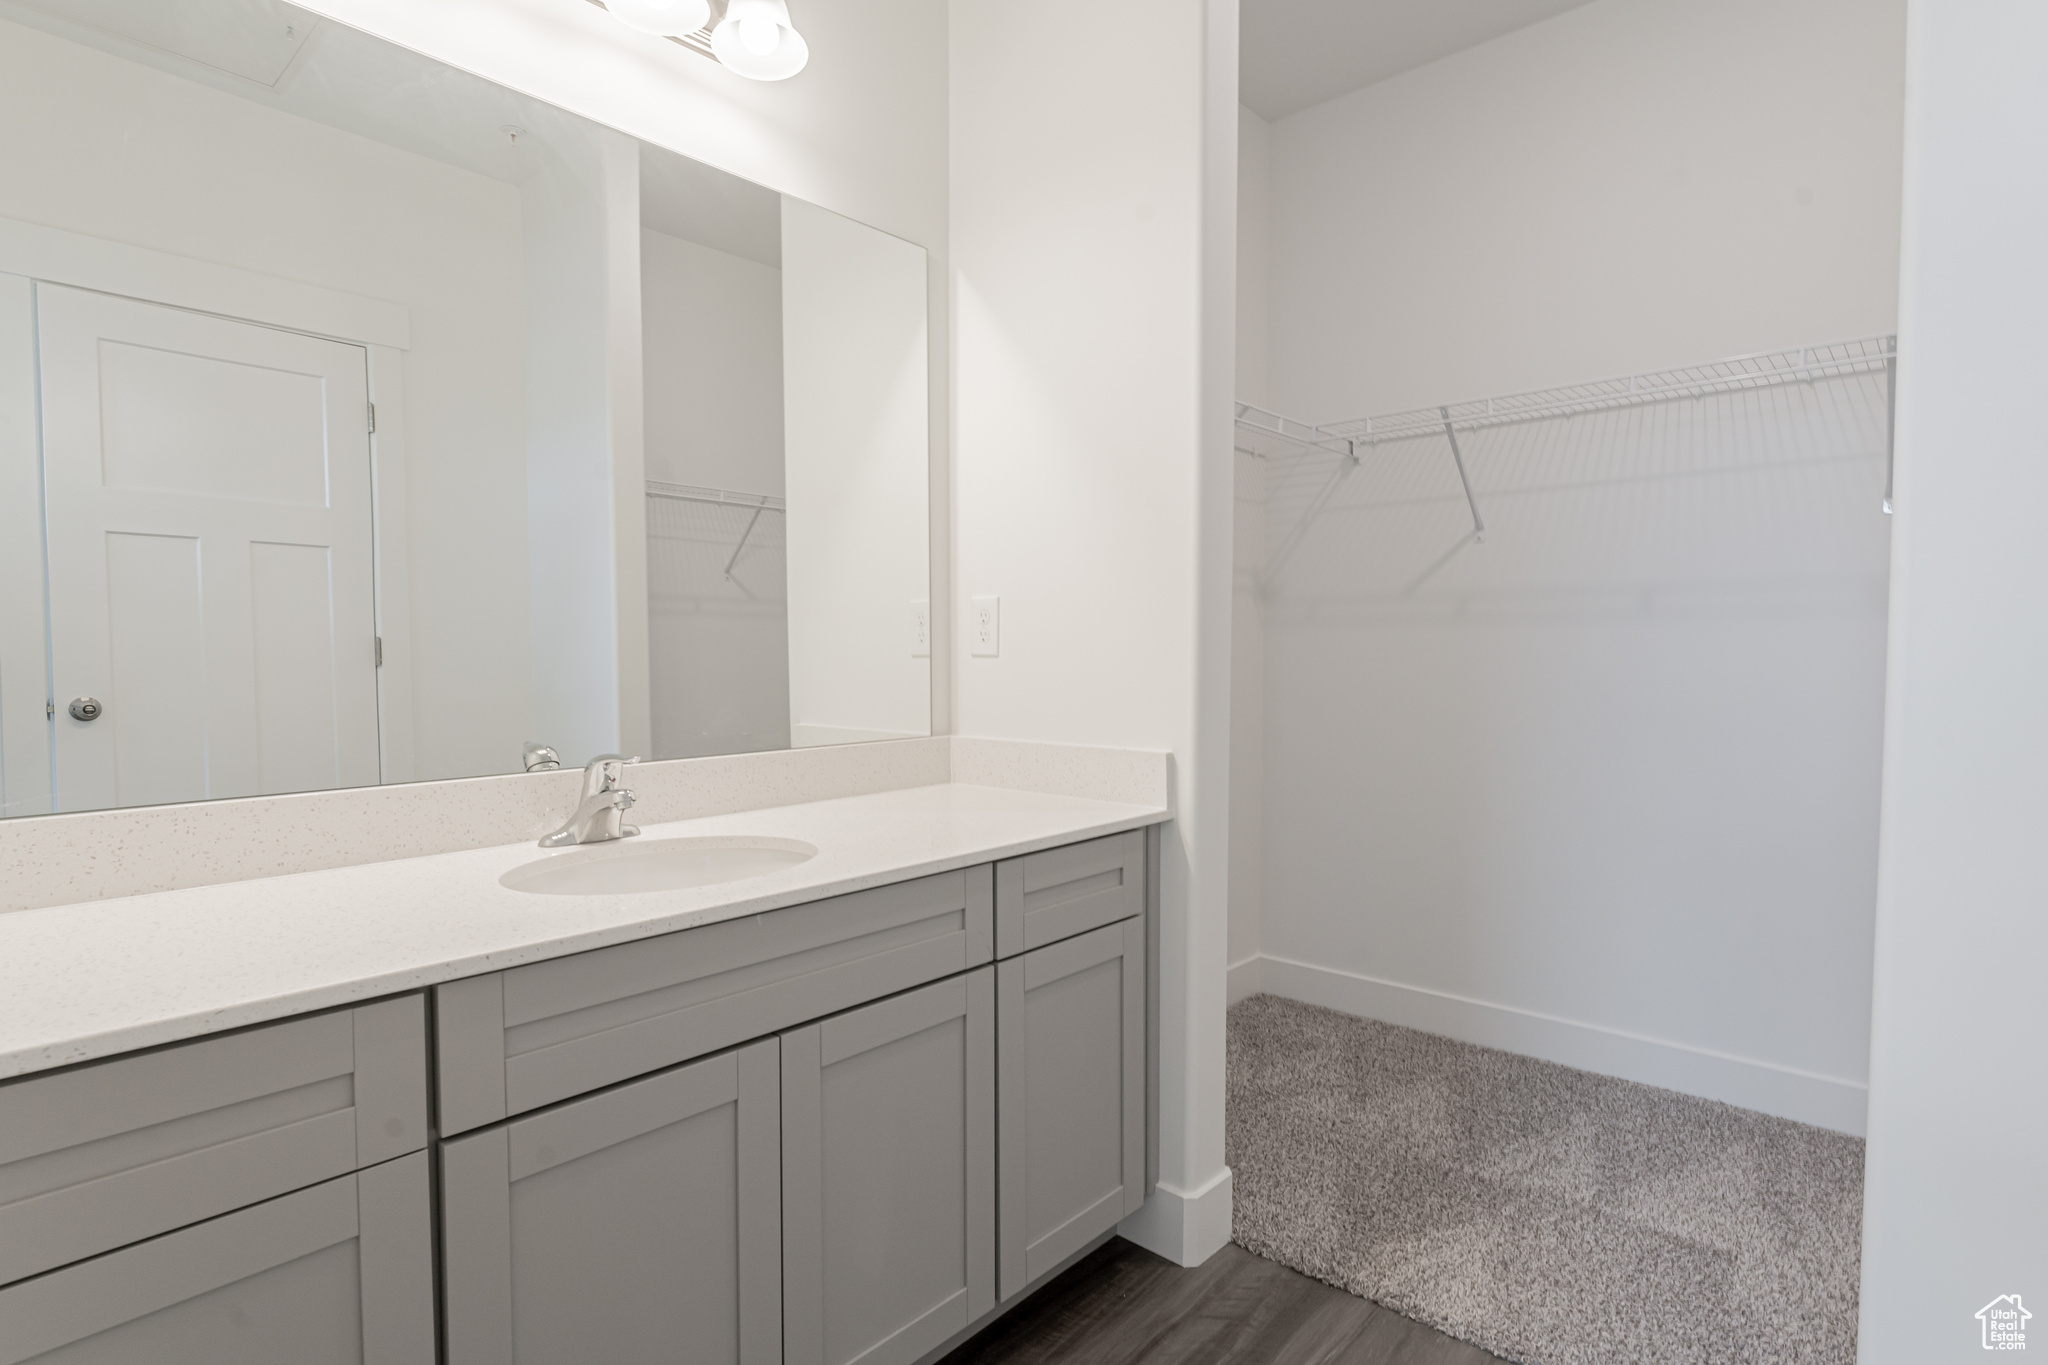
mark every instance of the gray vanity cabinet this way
{"type": "Point", "coordinates": [888, 1175]}
{"type": "Point", "coordinates": [101, 1156]}
{"type": "Point", "coordinates": [641, 1224]}
{"type": "Point", "coordinates": [837, 1132]}
{"type": "Point", "coordinates": [340, 1273]}
{"type": "Point", "coordinates": [255, 1197]}
{"type": "Point", "coordinates": [1070, 1027]}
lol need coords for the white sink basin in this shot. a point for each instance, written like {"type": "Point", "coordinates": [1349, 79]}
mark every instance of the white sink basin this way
{"type": "Point", "coordinates": [632, 865]}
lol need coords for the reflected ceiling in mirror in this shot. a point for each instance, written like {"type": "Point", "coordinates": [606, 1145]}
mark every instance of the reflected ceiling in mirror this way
{"type": "Point", "coordinates": [364, 421]}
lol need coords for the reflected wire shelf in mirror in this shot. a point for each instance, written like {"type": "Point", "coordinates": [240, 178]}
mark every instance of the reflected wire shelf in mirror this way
{"type": "Point", "coordinates": [754, 505]}
{"type": "Point", "coordinates": [718, 620]}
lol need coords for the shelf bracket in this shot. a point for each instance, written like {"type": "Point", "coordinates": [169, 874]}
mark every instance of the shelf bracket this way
{"type": "Point", "coordinates": [1458, 458]}
{"type": "Point", "coordinates": [743, 543]}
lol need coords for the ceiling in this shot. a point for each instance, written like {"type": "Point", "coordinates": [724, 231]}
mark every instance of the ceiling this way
{"type": "Point", "coordinates": [1295, 53]}
{"type": "Point", "coordinates": [273, 53]}
{"type": "Point", "coordinates": [253, 39]}
{"type": "Point", "coordinates": [703, 204]}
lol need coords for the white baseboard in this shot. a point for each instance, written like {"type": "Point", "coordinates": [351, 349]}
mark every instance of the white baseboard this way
{"type": "Point", "coordinates": [1805, 1096]}
{"type": "Point", "coordinates": [1185, 1227]}
{"type": "Point", "coordinates": [1246, 978]}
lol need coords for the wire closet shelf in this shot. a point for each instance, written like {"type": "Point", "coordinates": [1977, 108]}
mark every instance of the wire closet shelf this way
{"type": "Point", "coordinates": [722, 497]}
{"type": "Point", "coordinates": [1269, 435]}
{"type": "Point", "coordinates": [1862, 355]}
{"type": "Point", "coordinates": [756, 503]}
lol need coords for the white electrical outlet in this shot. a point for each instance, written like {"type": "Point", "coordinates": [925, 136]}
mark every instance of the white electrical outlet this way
{"type": "Point", "coordinates": [921, 629]}
{"type": "Point", "coordinates": [985, 628]}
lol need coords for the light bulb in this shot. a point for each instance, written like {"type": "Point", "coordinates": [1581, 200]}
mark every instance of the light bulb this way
{"type": "Point", "coordinates": [759, 34]}
{"type": "Point", "coordinates": [755, 39]}
{"type": "Point", "coordinates": [665, 18]}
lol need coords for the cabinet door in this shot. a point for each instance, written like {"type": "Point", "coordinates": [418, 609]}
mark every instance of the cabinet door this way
{"type": "Point", "coordinates": [642, 1224]}
{"type": "Point", "coordinates": [1070, 1048]}
{"type": "Point", "coordinates": [888, 1175]}
{"type": "Point", "coordinates": [338, 1274]}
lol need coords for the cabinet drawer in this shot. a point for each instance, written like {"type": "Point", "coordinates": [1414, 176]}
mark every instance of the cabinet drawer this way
{"type": "Point", "coordinates": [338, 1274]}
{"type": "Point", "coordinates": [104, 1155]}
{"type": "Point", "coordinates": [531, 1036]}
{"type": "Point", "coordinates": [1045, 897]}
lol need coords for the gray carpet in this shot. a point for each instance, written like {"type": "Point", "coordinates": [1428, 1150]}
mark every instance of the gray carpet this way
{"type": "Point", "coordinates": [1552, 1216]}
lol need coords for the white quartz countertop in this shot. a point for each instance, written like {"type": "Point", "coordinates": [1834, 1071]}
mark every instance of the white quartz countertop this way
{"type": "Point", "coordinates": [103, 977]}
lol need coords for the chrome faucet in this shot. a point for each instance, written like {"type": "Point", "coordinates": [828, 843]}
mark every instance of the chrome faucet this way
{"type": "Point", "coordinates": [598, 812]}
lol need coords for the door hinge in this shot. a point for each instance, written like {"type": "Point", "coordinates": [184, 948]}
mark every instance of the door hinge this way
{"type": "Point", "coordinates": [49, 710]}
{"type": "Point", "coordinates": [373, 419]}
{"type": "Point", "coordinates": [380, 649]}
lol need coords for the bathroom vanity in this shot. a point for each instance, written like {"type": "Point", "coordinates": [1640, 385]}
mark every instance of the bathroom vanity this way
{"type": "Point", "coordinates": [853, 1126]}
{"type": "Point", "coordinates": [524, 442]}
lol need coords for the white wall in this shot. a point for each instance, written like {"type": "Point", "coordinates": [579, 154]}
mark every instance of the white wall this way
{"type": "Point", "coordinates": [1632, 185]}
{"type": "Point", "coordinates": [1957, 1193]}
{"type": "Point", "coordinates": [1247, 623]}
{"type": "Point", "coordinates": [192, 171]}
{"type": "Point", "coordinates": [1604, 788]}
{"type": "Point", "coordinates": [854, 440]}
{"type": "Point", "coordinates": [861, 131]}
{"type": "Point", "coordinates": [1254, 257]}
{"type": "Point", "coordinates": [712, 324]}
{"type": "Point", "coordinates": [1093, 226]}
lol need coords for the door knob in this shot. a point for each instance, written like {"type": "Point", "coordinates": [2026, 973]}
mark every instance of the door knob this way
{"type": "Point", "coordinates": [86, 708]}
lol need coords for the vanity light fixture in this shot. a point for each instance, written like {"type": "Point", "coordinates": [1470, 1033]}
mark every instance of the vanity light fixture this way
{"type": "Point", "coordinates": [663, 18]}
{"type": "Point", "coordinates": [755, 39]}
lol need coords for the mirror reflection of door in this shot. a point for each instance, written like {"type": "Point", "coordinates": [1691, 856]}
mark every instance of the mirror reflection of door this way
{"type": "Point", "coordinates": [208, 494]}
{"type": "Point", "coordinates": [644, 481]}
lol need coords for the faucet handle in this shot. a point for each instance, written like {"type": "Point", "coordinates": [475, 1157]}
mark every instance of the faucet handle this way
{"type": "Point", "coordinates": [599, 774]}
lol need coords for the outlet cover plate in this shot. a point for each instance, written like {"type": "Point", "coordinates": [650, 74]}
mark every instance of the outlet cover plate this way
{"type": "Point", "coordinates": [985, 628]}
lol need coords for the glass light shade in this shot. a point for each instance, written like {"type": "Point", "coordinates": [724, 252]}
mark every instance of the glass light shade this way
{"type": "Point", "coordinates": [756, 40]}
{"type": "Point", "coordinates": [759, 34]}
{"type": "Point", "coordinates": [666, 18]}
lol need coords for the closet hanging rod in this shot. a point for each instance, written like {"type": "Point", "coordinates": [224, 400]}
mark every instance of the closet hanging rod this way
{"type": "Point", "coordinates": [722, 497]}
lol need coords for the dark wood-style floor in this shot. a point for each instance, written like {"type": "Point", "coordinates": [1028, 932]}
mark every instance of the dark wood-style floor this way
{"type": "Point", "coordinates": [1124, 1306]}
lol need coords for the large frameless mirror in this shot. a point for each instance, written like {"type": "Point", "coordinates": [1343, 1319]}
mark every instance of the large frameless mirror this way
{"type": "Point", "coordinates": [364, 421]}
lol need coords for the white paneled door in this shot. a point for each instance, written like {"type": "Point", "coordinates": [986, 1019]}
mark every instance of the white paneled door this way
{"type": "Point", "coordinates": [210, 554]}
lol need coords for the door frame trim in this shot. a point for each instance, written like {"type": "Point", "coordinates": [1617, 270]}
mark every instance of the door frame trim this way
{"type": "Point", "coordinates": [62, 257]}
{"type": "Point", "coordinates": [25, 739]}
{"type": "Point", "coordinates": [384, 329]}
